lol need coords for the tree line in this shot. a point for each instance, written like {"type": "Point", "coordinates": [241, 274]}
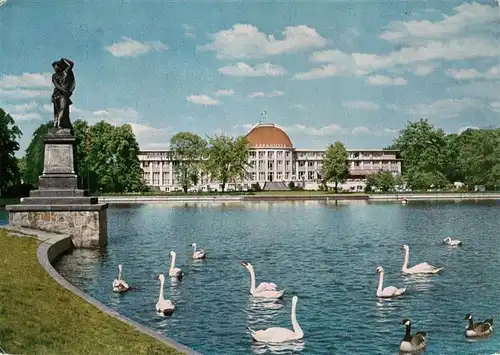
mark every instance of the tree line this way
{"type": "Point", "coordinates": [106, 158]}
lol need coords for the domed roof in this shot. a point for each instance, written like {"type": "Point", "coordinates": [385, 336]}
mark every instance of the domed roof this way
{"type": "Point", "coordinates": [266, 135]}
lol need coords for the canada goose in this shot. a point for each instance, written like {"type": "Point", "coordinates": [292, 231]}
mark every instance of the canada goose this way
{"type": "Point", "coordinates": [480, 329]}
{"type": "Point", "coordinates": [412, 343]}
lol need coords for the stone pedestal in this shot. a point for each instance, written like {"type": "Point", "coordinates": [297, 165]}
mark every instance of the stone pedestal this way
{"type": "Point", "coordinates": [58, 205]}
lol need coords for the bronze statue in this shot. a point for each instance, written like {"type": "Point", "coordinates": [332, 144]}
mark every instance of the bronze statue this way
{"type": "Point", "coordinates": [64, 82]}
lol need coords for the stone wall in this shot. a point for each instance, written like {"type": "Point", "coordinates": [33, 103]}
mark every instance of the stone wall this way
{"type": "Point", "coordinates": [88, 229]}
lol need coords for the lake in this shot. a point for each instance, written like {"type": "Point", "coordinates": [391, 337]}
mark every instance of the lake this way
{"type": "Point", "coordinates": [325, 253]}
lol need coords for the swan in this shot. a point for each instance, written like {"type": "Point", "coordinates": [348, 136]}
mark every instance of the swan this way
{"type": "Point", "coordinates": [280, 335]}
{"type": "Point", "coordinates": [200, 254]}
{"type": "Point", "coordinates": [164, 306]}
{"type": "Point", "coordinates": [452, 242]}
{"type": "Point", "coordinates": [411, 343]}
{"type": "Point", "coordinates": [389, 291]}
{"type": "Point", "coordinates": [480, 329]}
{"type": "Point", "coordinates": [118, 284]}
{"type": "Point", "coordinates": [422, 268]}
{"type": "Point", "coordinates": [174, 271]}
{"type": "Point", "coordinates": [265, 289]}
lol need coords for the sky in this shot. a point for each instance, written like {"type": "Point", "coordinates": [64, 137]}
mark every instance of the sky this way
{"type": "Point", "coordinates": [353, 70]}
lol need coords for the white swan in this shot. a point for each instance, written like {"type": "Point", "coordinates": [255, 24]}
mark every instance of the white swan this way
{"type": "Point", "coordinates": [280, 335]}
{"type": "Point", "coordinates": [389, 291]}
{"type": "Point", "coordinates": [164, 306]}
{"type": "Point", "coordinates": [200, 254]}
{"type": "Point", "coordinates": [422, 268]}
{"type": "Point", "coordinates": [265, 289]}
{"type": "Point", "coordinates": [452, 242]}
{"type": "Point", "coordinates": [174, 271]}
{"type": "Point", "coordinates": [118, 284]}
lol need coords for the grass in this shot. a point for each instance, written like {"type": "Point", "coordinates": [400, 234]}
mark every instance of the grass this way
{"type": "Point", "coordinates": [38, 316]}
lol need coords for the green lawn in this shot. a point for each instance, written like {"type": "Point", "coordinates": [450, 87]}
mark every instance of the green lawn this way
{"type": "Point", "coordinates": [38, 316]}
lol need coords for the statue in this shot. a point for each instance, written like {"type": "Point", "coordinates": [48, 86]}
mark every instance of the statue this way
{"type": "Point", "coordinates": [64, 82]}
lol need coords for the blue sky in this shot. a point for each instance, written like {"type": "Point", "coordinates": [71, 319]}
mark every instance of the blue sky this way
{"type": "Point", "coordinates": [354, 71]}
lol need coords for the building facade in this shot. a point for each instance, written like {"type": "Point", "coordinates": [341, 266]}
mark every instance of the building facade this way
{"type": "Point", "coordinates": [274, 160]}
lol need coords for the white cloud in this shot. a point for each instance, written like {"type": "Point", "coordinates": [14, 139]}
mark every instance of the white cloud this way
{"type": "Point", "coordinates": [26, 116]}
{"type": "Point", "coordinates": [129, 47]}
{"type": "Point", "coordinates": [189, 31]}
{"type": "Point", "coordinates": [22, 108]}
{"type": "Point", "coordinates": [202, 100]}
{"type": "Point", "coordinates": [360, 131]}
{"type": "Point", "coordinates": [495, 106]}
{"type": "Point", "coordinates": [3, 2]}
{"type": "Point", "coordinates": [485, 89]}
{"type": "Point", "coordinates": [243, 69]}
{"type": "Point", "coordinates": [298, 107]}
{"type": "Point", "coordinates": [444, 108]}
{"type": "Point", "coordinates": [324, 131]}
{"type": "Point", "coordinates": [386, 80]}
{"type": "Point", "coordinates": [466, 74]}
{"type": "Point", "coordinates": [246, 41]}
{"type": "Point", "coordinates": [224, 92]}
{"type": "Point", "coordinates": [362, 105]}
{"type": "Point", "coordinates": [358, 64]}
{"type": "Point", "coordinates": [20, 94]}
{"type": "Point", "coordinates": [467, 16]}
{"type": "Point", "coordinates": [423, 69]}
{"type": "Point", "coordinates": [26, 80]}
{"type": "Point", "coordinates": [263, 94]}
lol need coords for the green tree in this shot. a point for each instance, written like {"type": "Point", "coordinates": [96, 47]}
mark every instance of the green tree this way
{"type": "Point", "coordinates": [227, 158]}
{"type": "Point", "coordinates": [81, 130]}
{"type": "Point", "coordinates": [188, 149]}
{"type": "Point", "coordinates": [382, 180]}
{"type": "Point", "coordinates": [422, 148]}
{"type": "Point", "coordinates": [336, 164]}
{"type": "Point", "coordinates": [35, 154]}
{"type": "Point", "coordinates": [9, 168]}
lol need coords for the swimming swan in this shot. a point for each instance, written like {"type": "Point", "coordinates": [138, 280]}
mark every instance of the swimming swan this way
{"type": "Point", "coordinates": [389, 291]}
{"type": "Point", "coordinates": [480, 329]}
{"type": "Point", "coordinates": [265, 289]}
{"type": "Point", "coordinates": [174, 271]}
{"type": "Point", "coordinates": [422, 268]}
{"type": "Point", "coordinates": [200, 254]}
{"type": "Point", "coordinates": [452, 242]}
{"type": "Point", "coordinates": [280, 335]}
{"type": "Point", "coordinates": [412, 343]}
{"type": "Point", "coordinates": [166, 307]}
{"type": "Point", "coordinates": [118, 284]}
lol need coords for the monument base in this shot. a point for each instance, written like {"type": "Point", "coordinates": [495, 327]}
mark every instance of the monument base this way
{"type": "Point", "coordinates": [86, 224]}
{"type": "Point", "coordinates": [58, 205]}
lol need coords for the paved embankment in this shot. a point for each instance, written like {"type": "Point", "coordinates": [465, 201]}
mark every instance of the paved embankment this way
{"type": "Point", "coordinates": [299, 197]}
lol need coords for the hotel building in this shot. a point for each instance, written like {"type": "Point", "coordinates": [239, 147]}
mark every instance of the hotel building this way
{"type": "Point", "coordinates": [274, 162]}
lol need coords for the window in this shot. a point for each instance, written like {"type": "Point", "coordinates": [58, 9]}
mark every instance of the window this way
{"type": "Point", "coordinates": [302, 163]}
{"type": "Point", "coordinates": [311, 164]}
{"type": "Point", "coordinates": [166, 178]}
{"type": "Point", "coordinates": [156, 178]}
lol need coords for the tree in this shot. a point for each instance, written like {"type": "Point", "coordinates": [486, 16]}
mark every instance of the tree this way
{"type": "Point", "coordinates": [422, 148]}
{"type": "Point", "coordinates": [227, 158]}
{"type": "Point", "coordinates": [383, 181]}
{"type": "Point", "coordinates": [336, 164]}
{"type": "Point", "coordinates": [9, 168]}
{"type": "Point", "coordinates": [188, 149]}
{"type": "Point", "coordinates": [35, 154]}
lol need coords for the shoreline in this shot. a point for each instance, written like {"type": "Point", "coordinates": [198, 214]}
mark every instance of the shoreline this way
{"type": "Point", "coordinates": [140, 199]}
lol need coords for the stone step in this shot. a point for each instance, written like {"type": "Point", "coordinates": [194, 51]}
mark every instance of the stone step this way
{"type": "Point", "coordinates": [58, 193]}
{"type": "Point", "coordinates": [71, 200]}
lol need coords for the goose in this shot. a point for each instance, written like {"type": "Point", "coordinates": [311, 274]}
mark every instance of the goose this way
{"type": "Point", "coordinates": [422, 268]}
{"type": "Point", "coordinates": [166, 307]}
{"type": "Point", "coordinates": [452, 242]}
{"type": "Point", "coordinates": [390, 291]}
{"type": "Point", "coordinates": [265, 289]}
{"type": "Point", "coordinates": [118, 284]}
{"type": "Point", "coordinates": [411, 343]}
{"type": "Point", "coordinates": [200, 254]}
{"type": "Point", "coordinates": [480, 329]}
{"type": "Point", "coordinates": [277, 334]}
{"type": "Point", "coordinates": [174, 271]}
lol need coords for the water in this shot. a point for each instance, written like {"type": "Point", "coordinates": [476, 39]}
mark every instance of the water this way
{"type": "Point", "coordinates": [326, 254]}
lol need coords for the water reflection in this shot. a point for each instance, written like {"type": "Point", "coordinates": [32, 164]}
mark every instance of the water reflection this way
{"type": "Point", "coordinates": [419, 282]}
{"type": "Point", "coordinates": [262, 310]}
{"type": "Point", "coordinates": [292, 347]}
